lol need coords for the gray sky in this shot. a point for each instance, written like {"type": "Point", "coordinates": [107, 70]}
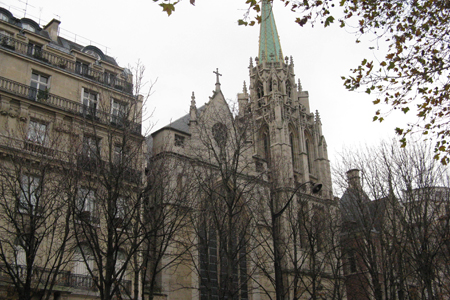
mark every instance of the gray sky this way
{"type": "Point", "coordinates": [183, 50]}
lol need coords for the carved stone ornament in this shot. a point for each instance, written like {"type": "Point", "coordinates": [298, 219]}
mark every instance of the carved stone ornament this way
{"type": "Point", "coordinates": [13, 113]}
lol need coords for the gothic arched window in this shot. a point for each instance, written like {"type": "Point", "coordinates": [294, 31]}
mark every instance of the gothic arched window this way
{"type": "Point", "coordinates": [220, 134]}
{"type": "Point", "coordinates": [293, 140]}
{"type": "Point", "coordinates": [260, 89]}
{"type": "Point", "coordinates": [308, 155]}
{"type": "Point", "coordinates": [266, 146]}
{"type": "Point", "coordinates": [288, 88]}
{"type": "Point", "coordinates": [220, 248]}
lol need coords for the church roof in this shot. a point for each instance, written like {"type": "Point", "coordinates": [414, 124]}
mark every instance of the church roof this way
{"type": "Point", "coordinates": [181, 124]}
{"type": "Point", "coordinates": [269, 41]}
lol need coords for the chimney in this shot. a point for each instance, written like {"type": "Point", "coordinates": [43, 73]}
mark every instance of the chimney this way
{"type": "Point", "coordinates": [53, 28]}
{"type": "Point", "coordinates": [353, 179]}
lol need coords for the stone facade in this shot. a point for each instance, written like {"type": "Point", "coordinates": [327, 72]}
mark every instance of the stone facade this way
{"type": "Point", "coordinates": [258, 166]}
{"type": "Point", "coordinates": [71, 154]}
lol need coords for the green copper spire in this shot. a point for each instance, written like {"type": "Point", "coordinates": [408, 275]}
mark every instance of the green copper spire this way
{"type": "Point", "coordinates": [269, 42]}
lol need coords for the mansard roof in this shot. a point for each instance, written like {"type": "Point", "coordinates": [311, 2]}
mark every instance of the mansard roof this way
{"type": "Point", "coordinates": [62, 44]}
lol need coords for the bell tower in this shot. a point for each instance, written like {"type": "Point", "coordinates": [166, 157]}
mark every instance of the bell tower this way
{"type": "Point", "coordinates": [288, 138]}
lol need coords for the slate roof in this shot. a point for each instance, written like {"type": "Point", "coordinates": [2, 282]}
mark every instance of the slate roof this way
{"type": "Point", "coordinates": [63, 44]}
{"type": "Point", "coordinates": [181, 124]}
{"type": "Point", "coordinates": [354, 205]}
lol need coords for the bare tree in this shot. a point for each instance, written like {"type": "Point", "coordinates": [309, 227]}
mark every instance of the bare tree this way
{"type": "Point", "coordinates": [223, 222]}
{"type": "Point", "coordinates": [299, 255]}
{"type": "Point", "coordinates": [168, 208]}
{"type": "Point", "coordinates": [395, 222]}
{"type": "Point", "coordinates": [108, 197]}
{"type": "Point", "coordinates": [34, 215]}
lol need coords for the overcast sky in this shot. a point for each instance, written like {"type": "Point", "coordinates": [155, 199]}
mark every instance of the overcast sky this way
{"type": "Point", "coordinates": [183, 50]}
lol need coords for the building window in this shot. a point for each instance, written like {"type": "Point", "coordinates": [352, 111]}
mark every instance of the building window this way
{"type": "Point", "coordinates": [121, 208]}
{"type": "Point", "coordinates": [118, 154]}
{"type": "Point", "coordinates": [118, 112]}
{"type": "Point", "coordinates": [39, 86]}
{"type": "Point", "coordinates": [29, 194]}
{"type": "Point", "coordinates": [318, 228]}
{"type": "Point", "coordinates": [220, 134]}
{"type": "Point", "coordinates": [81, 68]}
{"type": "Point", "coordinates": [266, 146]}
{"type": "Point", "coordinates": [352, 261]}
{"type": "Point", "coordinates": [34, 50]}
{"type": "Point", "coordinates": [85, 204]}
{"type": "Point", "coordinates": [179, 140]}
{"type": "Point", "coordinates": [110, 79]}
{"type": "Point", "coordinates": [28, 27]}
{"type": "Point", "coordinates": [89, 101]}
{"type": "Point", "coordinates": [308, 156]}
{"type": "Point", "coordinates": [121, 267]}
{"type": "Point", "coordinates": [4, 17]}
{"type": "Point", "coordinates": [288, 89]}
{"type": "Point", "coordinates": [20, 255]}
{"type": "Point", "coordinates": [212, 263]}
{"type": "Point", "coordinates": [6, 40]}
{"type": "Point", "coordinates": [291, 140]}
{"type": "Point", "coordinates": [37, 132]}
{"type": "Point", "coordinates": [91, 147]}
{"type": "Point", "coordinates": [260, 90]}
{"type": "Point", "coordinates": [83, 264]}
{"type": "Point", "coordinates": [303, 220]}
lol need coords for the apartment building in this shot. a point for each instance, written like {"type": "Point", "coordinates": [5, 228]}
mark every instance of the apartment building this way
{"type": "Point", "coordinates": [71, 157]}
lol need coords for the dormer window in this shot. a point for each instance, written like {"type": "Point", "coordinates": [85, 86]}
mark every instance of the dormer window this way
{"type": "Point", "coordinates": [28, 27]}
{"type": "Point", "coordinates": [93, 53]}
{"type": "Point", "coordinates": [4, 17]}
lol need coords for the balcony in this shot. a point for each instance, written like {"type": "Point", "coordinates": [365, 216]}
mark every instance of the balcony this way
{"type": "Point", "coordinates": [61, 62]}
{"type": "Point", "coordinates": [63, 279]}
{"type": "Point", "coordinates": [93, 164]}
{"type": "Point", "coordinates": [66, 105]}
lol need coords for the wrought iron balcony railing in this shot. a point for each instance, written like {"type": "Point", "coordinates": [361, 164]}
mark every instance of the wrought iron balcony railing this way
{"type": "Point", "coordinates": [64, 63]}
{"type": "Point", "coordinates": [77, 108]}
{"type": "Point", "coordinates": [63, 278]}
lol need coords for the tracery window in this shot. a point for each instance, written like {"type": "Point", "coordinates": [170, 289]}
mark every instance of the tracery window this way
{"type": "Point", "coordinates": [266, 145]}
{"type": "Point", "coordinates": [260, 89]}
{"type": "Point", "coordinates": [308, 155]}
{"type": "Point", "coordinates": [220, 134]}
{"type": "Point", "coordinates": [293, 140]}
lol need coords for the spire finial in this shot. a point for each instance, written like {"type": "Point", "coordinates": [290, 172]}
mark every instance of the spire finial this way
{"type": "Point", "coordinates": [193, 99]}
{"type": "Point", "coordinates": [318, 117]}
{"type": "Point", "coordinates": [245, 88]}
{"type": "Point", "coordinates": [217, 79]}
{"type": "Point", "coordinates": [193, 111]}
{"type": "Point", "coordinates": [269, 41]}
{"type": "Point", "coordinates": [299, 85]}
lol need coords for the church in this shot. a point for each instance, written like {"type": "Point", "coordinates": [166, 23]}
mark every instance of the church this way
{"type": "Point", "coordinates": [255, 178]}
{"type": "Point", "coordinates": [231, 201]}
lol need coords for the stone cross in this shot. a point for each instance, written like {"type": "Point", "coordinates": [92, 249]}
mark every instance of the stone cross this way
{"type": "Point", "coordinates": [217, 75]}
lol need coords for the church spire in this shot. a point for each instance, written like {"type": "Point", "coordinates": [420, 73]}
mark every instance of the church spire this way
{"type": "Point", "coordinates": [269, 41]}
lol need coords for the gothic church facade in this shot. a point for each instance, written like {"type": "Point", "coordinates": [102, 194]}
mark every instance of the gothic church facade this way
{"type": "Point", "coordinates": [259, 181]}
